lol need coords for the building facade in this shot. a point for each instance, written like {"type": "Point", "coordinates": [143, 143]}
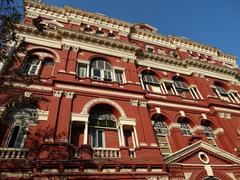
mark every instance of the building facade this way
{"type": "Point", "coordinates": [121, 102]}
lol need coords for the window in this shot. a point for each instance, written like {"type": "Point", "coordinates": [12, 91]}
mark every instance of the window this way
{"type": "Point", "coordinates": [180, 85]}
{"type": "Point", "coordinates": [221, 90]}
{"type": "Point", "coordinates": [101, 70]}
{"type": "Point", "coordinates": [97, 138]}
{"type": "Point", "coordinates": [81, 70]}
{"type": "Point", "coordinates": [160, 127]}
{"type": "Point", "coordinates": [18, 121]}
{"type": "Point", "coordinates": [185, 129]}
{"type": "Point", "coordinates": [119, 76]}
{"type": "Point", "coordinates": [208, 132]}
{"type": "Point", "coordinates": [161, 132]}
{"type": "Point", "coordinates": [48, 62]}
{"type": "Point", "coordinates": [151, 83]}
{"type": "Point", "coordinates": [16, 137]}
{"type": "Point", "coordinates": [149, 48]}
{"type": "Point", "coordinates": [102, 119]}
{"type": "Point", "coordinates": [31, 66]}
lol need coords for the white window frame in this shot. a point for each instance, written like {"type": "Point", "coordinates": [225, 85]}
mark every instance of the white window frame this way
{"type": "Point", "coordinates": [209, 132]}
{"type": "Point", "coordinates": [160, 128]}
{"type": "Point", "coordinates": [21, 130]}
{"type": "Point", "coordinates": [102, 72]}
{"type": "Point", "coordinates": [147, 47]}
{"type": "Point", "coordinates": [96, 130]}
{"type": "Point", "coordinates": [32, 64]}
{"type": "Point", "coordinates": [120, 71]}
{"type": "Point", "coordinates": [185, 129]}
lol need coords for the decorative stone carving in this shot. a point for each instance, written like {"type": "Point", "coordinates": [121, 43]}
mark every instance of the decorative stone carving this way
{"type": "Point", "coordinates": [143, 103]}
{"type": "Point", "coordinates": [69, 94]}
{"type": "Point", "coordinates": [57, 93]}
{"type": "Point", "coordinates": [224, 115]}
{"type": "Point", "coordinates": [134, 102]}
{"type": "Point", "coordinates": [27, 94]}
{"type": "Point", "coordinates": [91, 103]}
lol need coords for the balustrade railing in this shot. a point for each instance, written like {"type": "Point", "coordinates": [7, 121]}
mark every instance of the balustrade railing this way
{"type": "Point", "coordinates": [12, 153]}
{"type": "Point", "coordinates": [77, 152]}
{"type": "Point", "coordinates": [106, 152]}
{"type": "Point", "coordinates": [132, 153]}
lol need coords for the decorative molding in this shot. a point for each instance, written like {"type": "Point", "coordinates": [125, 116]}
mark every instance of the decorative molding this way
{"type": "Point", "coordinates": [42, 115]}
{"type": "Point", "coordinates": [69, 94]}
{"type": "Point", "coordinates": [143, 103]}
{"type": "Point", "coordinates": [201, 145]}
{"type": "Point", "coordinates": [134, 102]}
{"type": "Point", "coordinates": [27, 94]}
{"type": "Point", "coordinates": [79, 117]}
{"type": "Point", "coordinates": [91, 103]}
{"type": "Point", "coordinates": [98, 91]}
{"type": "Point", "coordinates": [57, 93]}
{"type": "Point", "coordinates": [178, 106]}
{"type": "Point", "coordinates": [174, 125]}
{"type": "Point", "coordinates": [220, 109]}
{"type": "Point", "coordinates": [224, 115]}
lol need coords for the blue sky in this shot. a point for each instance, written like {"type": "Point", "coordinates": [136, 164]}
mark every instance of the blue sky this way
{"type": "Point", "coordinates": [212, 22]}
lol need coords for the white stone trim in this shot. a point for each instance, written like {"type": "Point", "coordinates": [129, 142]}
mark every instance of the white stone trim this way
{"type": "Point", "coordinates": [98, 91]}
{"type": "Point", "coordinates": [100, 49]}
{"type": "Point", "coordinates": [79, 117]}
{"type": "Point", "coordinates": [43, 41]}
{"type": "Point", "coordinates": [204, 145]}
{"type": "Point", "coordinates": [185, 70]}
{"type": "Point", "coordinates": [226, 110]}
{"type": "Point", "coordinates": [42, 115]}
{"type": "Point", "coordinates": [95, 101]}
{"type": "Point", "coordinates": [173, 125]}
{"type": "Point", "coordinates": [159, 103]}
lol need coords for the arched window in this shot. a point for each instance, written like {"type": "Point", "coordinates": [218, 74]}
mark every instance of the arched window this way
{"type": "Point", "coordinates": [185, 128]}
{"type": "Point", "coordinates": [101, 70]}
{"type": "Point", "coordinates": [160, 126]}
{"type": "Point", "coordinates": [150, 82]}
{"type": "Point", "coordinates": [207, 128]}
{"type": "Point", "coordinates": [31, 66]}
{"type": "Point", "coordinates": [208, 132]}
{"type": "Point", "coordinates": [180, 84]}
{"type": "Point", "coordinates": [161, 131]}
{"type": "Point", "coordinates": [100, 119]}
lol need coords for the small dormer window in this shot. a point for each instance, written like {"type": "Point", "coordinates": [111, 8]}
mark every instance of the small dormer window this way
{"type": "Point", "coordinates": [111, 35]}
{"type": "Point", "coordinates": [174, 54]}
{"type": "Point", "coordinates": [99, 32]}
{"type": "Point", "coordinates": [88, 29]}
{"type": "Point", "coordinates": [149, 49]}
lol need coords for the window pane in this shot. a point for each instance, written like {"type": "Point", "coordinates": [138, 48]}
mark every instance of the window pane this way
{"type": "Point", "coordinates": [119, 76]}
{"type": "Point", "coordinates": [94, 139]}
{"type": "Point", "coordinates": [100, 138]}
{"type": "Point", "coordinates": [81, 70]}
{"type": "Point", "coordinates": [13, 136]}
{"type": "Point", "coordinates": [149, 78]}
{"type": "Point", "coordinates": [107, 75]}
{"type": "Point", "coordinates": [96, 73]}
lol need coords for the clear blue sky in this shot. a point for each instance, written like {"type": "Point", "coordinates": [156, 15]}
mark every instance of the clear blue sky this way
{"type": "Point", "coordinates": [212, 22]}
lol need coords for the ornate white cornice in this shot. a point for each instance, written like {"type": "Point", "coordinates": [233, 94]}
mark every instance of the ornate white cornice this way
{"type": "Point", "coordinates": [203, 145]}
{"type": "Point", "coordinates": [188, 66]}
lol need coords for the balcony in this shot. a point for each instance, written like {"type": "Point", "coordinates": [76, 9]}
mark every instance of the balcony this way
{"type": "Point", "coordinates": [106, 153]}
{"type": "Point", "coordinates": [12, 153]}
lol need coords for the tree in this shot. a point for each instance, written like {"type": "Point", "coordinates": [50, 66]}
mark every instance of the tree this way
{"type": "Point", "coordinates": [10, 46]}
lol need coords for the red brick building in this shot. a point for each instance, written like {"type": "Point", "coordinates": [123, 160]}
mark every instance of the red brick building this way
{"type": "Point", "coordinates": [122, 102]}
